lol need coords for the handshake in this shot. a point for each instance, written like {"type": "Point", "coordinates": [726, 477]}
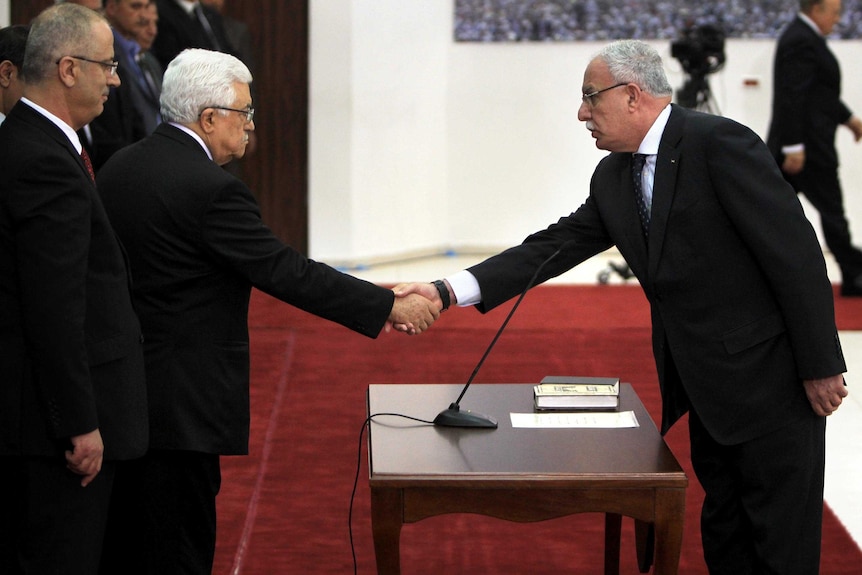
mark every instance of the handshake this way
{"type": "Point", "coordinates": [417, 306]}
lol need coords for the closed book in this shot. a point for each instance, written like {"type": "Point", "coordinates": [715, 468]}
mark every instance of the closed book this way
{"type": "Point", "coordinates": [575, 392]}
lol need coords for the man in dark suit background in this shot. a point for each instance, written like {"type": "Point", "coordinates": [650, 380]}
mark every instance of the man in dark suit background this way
{"type": "Point", "coordinates": [744, 335]}
{"type": "Point", "coordinates": [127, 110]}
{"type": "Point", "coordinates": [73, 397]}
{"type": "Point", "coordinates": [127, 18]}
{"type": "Point", "coordinates": [13, 39]}
{"type": "Point", "coordinates": [146, 35]}
{"type": "Point", "coordinates": [188, 24]}
{"type": "Point", "coordinates": [806, 112]}
{"type": "Point", "coordinates": [197, 246]}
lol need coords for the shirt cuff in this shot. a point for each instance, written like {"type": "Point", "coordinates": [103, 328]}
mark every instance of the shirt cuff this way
{"type": "Point", "coordinates": [466, 288]}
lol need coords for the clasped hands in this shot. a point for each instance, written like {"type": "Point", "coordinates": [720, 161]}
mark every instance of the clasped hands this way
{"type": "Point", "coordinates": [416, 307]}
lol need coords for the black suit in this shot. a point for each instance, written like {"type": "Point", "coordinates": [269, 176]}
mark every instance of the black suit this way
{"type": "Point", "coordinates": [197, 245]}
{"type": "Point", "coordinates": [122, 121]}
{"type": "Point", "coordinates": [807, 109]}
{"type": "Point", "coordinates": [742, 309]}
{"type": "Point", "coordinates": [70, 344]}
{"type": "Point", "coordinates": [179, 30]}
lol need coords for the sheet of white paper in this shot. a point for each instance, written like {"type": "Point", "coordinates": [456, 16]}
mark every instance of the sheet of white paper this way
{"type": "Point", "coordinates": [586, 419]}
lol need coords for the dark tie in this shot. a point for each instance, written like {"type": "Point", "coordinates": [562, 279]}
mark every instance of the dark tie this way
{"type": "Point", "coordinates": [88, 164]}
{"type": "Point", "coordinates": [207, 28]}
{"type": "Point", "coordinates": [638, 161]}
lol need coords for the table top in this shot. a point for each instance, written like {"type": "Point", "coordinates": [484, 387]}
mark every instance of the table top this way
{"type": "Point", "coordinates": [409, 453]}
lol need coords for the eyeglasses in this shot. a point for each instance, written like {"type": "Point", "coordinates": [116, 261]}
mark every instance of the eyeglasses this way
{"type": "Point", "coordinates": [249, 112]}
{"type": "Point", "coordinates": [109, 67]}
{"type": "Point", "coordinates": [590, 99]}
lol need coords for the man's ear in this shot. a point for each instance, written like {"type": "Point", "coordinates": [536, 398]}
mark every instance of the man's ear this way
{"type": "Point", "coordinates": [634, 94]}
{"type": "Point", "coordinates": [67, 71]}
{"type": "Point", "coordinates": [7, 69]}
{"type": "Point", "coordinates": [207, 120]}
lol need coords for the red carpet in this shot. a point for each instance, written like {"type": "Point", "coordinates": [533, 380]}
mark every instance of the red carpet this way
{"type": "Point", "coordinates": [284, 508]}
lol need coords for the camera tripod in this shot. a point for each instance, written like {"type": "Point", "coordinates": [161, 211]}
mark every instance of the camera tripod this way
{"type": "Point", "coordinates": [696, 95]}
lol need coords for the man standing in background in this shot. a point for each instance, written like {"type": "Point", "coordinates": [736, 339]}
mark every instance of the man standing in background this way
{"type": "Point", "coordinates": [806, 112]}
{"type": "Point", "coordinates": [13, 39]}
{"type": "Point", "coordinates": [127, 19]}
{"type": "Point", "coordinates": [188, 24]}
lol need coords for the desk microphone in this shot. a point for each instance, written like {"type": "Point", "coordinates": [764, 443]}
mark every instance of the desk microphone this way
{"type": "Point", "coordinates": [453, 416]}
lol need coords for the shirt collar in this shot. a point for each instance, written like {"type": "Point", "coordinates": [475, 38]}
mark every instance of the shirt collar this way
{"type": "Point", "coordinates": [810, 22]}
{"type": "Point", "coordinates": [187, 5]}
{"type": "Point", "coordinates": [650, 143]}
{"type": "Point", "coordinates": [66, 128]}
{"type": "Point", "coordinates": [194, 135]}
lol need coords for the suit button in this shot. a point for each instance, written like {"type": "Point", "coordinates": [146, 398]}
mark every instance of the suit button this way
{"type": "Point", "coordinates": [142, 338]}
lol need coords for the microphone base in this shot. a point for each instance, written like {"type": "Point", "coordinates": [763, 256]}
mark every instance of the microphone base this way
{"type": "Point", "coordinates": [454, 417]}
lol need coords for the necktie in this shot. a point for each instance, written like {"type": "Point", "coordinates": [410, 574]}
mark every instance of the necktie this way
{"type": "Point", "coordinates": [638, 161]}
{"type": "Point", "coordinates": [88, 164]}
{"type": "Point", "coordinates": [207, 28]}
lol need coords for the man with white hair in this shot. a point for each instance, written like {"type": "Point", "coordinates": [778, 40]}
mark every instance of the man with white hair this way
{"type": "Point", "coordinates": [197, 245]}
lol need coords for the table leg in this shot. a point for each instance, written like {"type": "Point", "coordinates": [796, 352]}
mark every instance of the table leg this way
{"type": "Point", "coordinates": [645, 544]}
{"type": "Point", "coordinates": [387, 512]}
{"type": "Point", "coordinates": [670, 510]}
{"type": "Point", "coordinates": [613, 529]}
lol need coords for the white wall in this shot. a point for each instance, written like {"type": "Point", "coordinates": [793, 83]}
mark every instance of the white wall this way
{"type": "Point", "coordinates": [4, 13]}
{"type": "Point", "coordinates": [419, 143]}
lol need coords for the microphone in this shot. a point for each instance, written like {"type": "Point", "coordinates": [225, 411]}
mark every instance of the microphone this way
{"type": "Point", "coordinates": [453, 416]}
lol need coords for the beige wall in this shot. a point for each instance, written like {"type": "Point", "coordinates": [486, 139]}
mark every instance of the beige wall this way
{"type": "Point", "coordinates": [419, 143]}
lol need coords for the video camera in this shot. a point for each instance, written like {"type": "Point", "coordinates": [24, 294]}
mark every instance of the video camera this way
{"type": "Point", "coordinates": [700, 50]}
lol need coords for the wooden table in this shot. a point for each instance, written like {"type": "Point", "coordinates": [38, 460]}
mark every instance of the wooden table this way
{"type": "Point", "coordinates": [419, 471]}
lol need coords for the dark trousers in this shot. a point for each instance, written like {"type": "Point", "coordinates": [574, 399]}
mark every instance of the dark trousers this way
{"type": "Point", "coordinates": [823, 189]}
{"type": "Point", "coordinates": [763, 509]}
{"type": "Point", "coordinates": [49, 524]}
{"type": "Point", "coordinates": [163, 515]}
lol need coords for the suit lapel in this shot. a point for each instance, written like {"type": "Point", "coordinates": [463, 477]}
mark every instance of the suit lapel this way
{"type": "Point", "coordinates": [31, 116]}
{"type": "Point", "coordinates": [664, 185]}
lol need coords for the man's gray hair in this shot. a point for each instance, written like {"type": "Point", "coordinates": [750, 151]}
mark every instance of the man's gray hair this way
{"type": "Point", "coordinates": [637, 62]}
{"type": "Point", "coordinates": [198, 79]}
{"type": "Point", "coordinates": [60, 30]}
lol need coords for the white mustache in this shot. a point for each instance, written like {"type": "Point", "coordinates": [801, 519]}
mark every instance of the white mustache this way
{"type": "Point", "coordinates": [590, 126]}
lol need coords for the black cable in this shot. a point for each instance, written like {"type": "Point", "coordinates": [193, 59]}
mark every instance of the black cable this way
{"type": "Point", "coordinates": [356, 478]}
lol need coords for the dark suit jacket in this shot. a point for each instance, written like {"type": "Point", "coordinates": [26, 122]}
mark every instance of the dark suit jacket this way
{"type": "Point", "coordinates": [121, 122]}
{"type": "Point", "coordinates": [197, 245]}
{"type": "Point", "coordinates": [178, 30]}
{"type": "Point", "coordinates": [71, 358]}
{"type": "Point", "coordinates": [806, 99]}
{"type": "Point", "coordinates": [144, 95]}
{"type": "Point", "coordinates": [742, 309]}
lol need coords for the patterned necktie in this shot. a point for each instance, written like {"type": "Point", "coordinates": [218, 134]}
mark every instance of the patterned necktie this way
{"type": "Point", "coordinates": [88, 164]}
{"type": "Point", "coordinates": [638, 161]}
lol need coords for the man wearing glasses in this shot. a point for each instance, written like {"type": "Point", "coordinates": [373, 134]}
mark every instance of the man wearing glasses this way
{"type": "Point", "coordinates": [197, 245]}
{"type": "Point", "coordinates": [73, 396]}
{"type": "Point", "coordinates": [743, 322]}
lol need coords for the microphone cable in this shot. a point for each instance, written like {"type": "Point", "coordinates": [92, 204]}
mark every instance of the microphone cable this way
{"type": "Point", "coordinates": [366, 424]}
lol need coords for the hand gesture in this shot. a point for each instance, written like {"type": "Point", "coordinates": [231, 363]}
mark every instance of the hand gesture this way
{"type": "Point", "coordinates": [85, 457]}
{"type": "Point", "coordinates": [826, 394]}
{"type": "Point", "coordinates": [413, 313]}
